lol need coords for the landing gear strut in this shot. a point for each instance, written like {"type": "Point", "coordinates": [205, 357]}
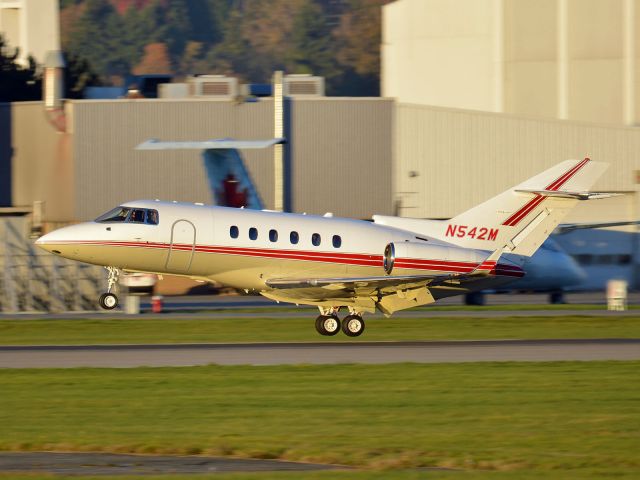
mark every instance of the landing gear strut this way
{"type": "Point", "coordinates": [328, 323]}
{"type": "Point", "coordinates": [109, 301]}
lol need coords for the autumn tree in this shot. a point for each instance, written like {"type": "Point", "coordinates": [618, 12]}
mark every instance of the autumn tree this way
{"type": "Point", "coordinates": [78, 75]}
{"type": "Point", "coordinates": [358, 53]}
{"type": "Point", "coordinates": [155, 60]}
{"type": "Point", "coordinates": [98, 36]}
{"type": "Point", "coordinates": [311, 46]}
{"type": "Point", "coordinates": [336, 39]}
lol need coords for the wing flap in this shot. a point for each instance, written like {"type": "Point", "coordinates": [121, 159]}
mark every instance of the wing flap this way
{"type": "Point", "coordinates": [358, 285]}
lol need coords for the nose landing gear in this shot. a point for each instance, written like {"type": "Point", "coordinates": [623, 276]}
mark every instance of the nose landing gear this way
{"type": "Point", "coordinates": [109, 301]}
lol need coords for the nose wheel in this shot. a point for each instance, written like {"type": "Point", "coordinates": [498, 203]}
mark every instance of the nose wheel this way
{"type": "Point", "coordinates": [109, 301]}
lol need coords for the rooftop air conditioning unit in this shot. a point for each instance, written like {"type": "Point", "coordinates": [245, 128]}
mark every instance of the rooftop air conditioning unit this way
{"type": "Point", "coordinates": [218, 86]}
{"type": "Point", "coordinates": [303, 86]}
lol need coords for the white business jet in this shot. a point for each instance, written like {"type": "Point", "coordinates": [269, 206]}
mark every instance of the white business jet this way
{"type": "Point", "coordinates": [389, 264]}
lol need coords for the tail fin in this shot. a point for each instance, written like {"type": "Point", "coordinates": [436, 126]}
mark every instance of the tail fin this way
{"type": "Point", "coordinates": [521, 218]}
{"type": "Point", "coordinates": [229, 179]}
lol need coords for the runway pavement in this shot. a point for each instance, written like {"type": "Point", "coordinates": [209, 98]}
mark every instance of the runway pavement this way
{"type": "Point", "coordinates": [112, 464]}
{"type": "Point", "coordinates": [123, 356]}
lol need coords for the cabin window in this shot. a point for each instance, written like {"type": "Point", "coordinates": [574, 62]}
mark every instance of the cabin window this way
{"type": "Point", "coordinates": [152, 217]}
{"type": "Point", "coordinates": [315, 239]}
{"type": "Point", "coordinates": [253, 233]}
{"type": "Point", "coordinates": [337, 241]}
{"type": "Point", "coordinates": [234, 232]}
{"type": "Point", "coordinates": [273, 235]}
{"type": "Point", "coordinates": [294, 237]}
{"type": "Point", "coordinates": [137, 216]}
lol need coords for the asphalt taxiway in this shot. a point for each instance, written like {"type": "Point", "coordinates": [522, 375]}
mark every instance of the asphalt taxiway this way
{"type": "Point", "coordinates": [128, 356]}
{"type": "Point", "coordinates": [114, 464]}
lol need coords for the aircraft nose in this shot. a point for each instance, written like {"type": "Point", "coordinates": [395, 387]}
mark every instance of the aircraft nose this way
{"type": "Point", "coordinates": [59, 240]}
{"type": "Point", "coordinates": [46, 242]}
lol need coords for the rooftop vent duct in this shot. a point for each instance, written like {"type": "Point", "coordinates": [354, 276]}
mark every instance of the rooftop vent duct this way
{"type": "Point", "coordinates": [303, 86]}
{"type": "Point", "coordinates": [53, 79]}
{"type": "Point", "coordinates": [218, 86]}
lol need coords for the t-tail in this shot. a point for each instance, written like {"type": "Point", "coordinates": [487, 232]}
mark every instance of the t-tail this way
{"type": "Point", "coordinates": [520, 219]}
{"type": "Point", "coordinates": [229, 179]}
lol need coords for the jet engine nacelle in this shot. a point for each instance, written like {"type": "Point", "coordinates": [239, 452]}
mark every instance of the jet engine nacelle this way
{"type": "Point", "coordinates": [414, 254]}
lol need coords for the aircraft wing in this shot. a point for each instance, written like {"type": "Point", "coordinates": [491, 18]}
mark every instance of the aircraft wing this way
{"type": "Point", "coordinates": [388, 294]}
{"type": "Point", "coordinates": [351, 284]}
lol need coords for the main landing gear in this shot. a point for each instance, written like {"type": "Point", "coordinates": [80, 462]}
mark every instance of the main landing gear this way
{"type": "Point", "coordinates": [109, 301]}
{"type": "Point", "coordinates": [328, 323]}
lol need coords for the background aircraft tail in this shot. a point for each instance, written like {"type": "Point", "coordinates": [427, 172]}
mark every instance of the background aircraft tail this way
{"type": "Point", "coordinates": [229, 179]}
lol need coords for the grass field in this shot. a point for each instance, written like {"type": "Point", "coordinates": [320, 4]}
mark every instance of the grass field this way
{"type": "Point", "coordinates": [519, 420]}
{"type": "Point", "coordinates": [167, 330]}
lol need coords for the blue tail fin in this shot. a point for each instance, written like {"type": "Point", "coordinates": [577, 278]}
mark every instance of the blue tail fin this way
{"type": "Point", "coordinates": [229, 179]}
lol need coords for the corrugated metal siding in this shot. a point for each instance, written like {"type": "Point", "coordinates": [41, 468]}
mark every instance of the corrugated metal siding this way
{"type": "Point", "coordinates": [464, 157]}
{"type": "Point", "coordinates": [342, 150]}
{"type": "Point", "coordinates": [109, 171]}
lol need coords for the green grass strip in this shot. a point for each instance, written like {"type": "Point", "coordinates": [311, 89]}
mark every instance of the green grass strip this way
{"type": "Point", "coordinates": [168, 330]}
{"type": "Point", "coordinates": [576, 418]}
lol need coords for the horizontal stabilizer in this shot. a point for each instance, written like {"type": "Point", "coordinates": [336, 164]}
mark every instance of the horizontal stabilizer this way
{"type": "Point", "coordinates": [223, 143]}
{"type": "Point", "coordinates": [570, 227]}
{"type": "Point", "coordinates": [575, 195]}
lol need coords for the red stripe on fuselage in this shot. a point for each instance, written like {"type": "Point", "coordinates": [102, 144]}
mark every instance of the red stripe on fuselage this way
{"type": "Point", "coordinates": [357, 259]}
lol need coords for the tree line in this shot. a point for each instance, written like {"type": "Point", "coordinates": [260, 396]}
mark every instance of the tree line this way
{"type": "Point", "coordinates": [249, 39]}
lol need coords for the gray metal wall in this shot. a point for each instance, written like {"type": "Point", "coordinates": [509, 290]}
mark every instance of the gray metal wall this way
{"type": "Point", "coordinates": [42, 162]}
{"type": "Point", "coordinates": [109, 171]}
{"type": "Point", "coordinates": [448, 160]}
{"type": "Point", "coordinates": [341, 152]}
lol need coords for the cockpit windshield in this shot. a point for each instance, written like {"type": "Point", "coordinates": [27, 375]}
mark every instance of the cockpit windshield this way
{"type": "Point", "coordinates": [130, 215]}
